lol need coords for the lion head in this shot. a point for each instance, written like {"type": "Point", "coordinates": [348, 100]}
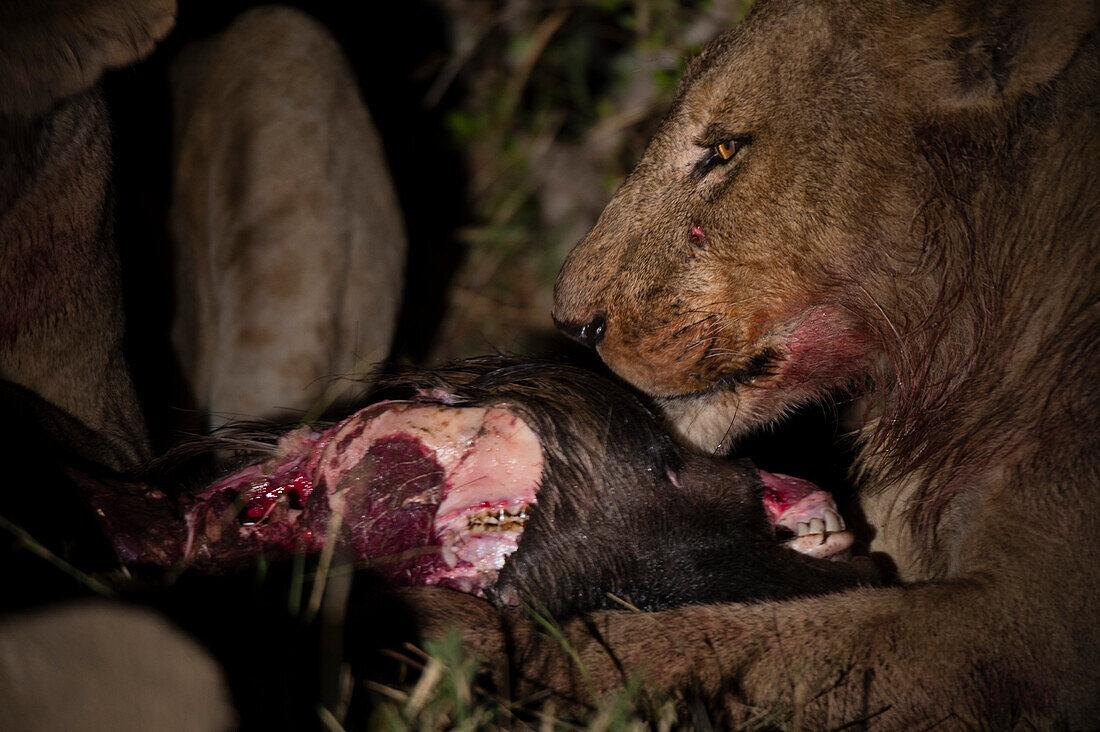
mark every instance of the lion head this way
{"type": "Point", "coordinates": [819, 211]}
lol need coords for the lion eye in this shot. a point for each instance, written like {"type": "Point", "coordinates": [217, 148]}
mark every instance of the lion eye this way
{"type": "Point", "coordinates": [720, 153]}
{"type": "Point", "coordinates": [727, 149]}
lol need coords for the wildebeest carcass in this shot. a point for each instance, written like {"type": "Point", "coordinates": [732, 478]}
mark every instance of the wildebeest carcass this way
{"type": "Point", "coordinates": [488, 478]}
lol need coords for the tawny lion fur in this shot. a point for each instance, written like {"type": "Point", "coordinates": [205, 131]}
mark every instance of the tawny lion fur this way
{"type": "Point", "coordinates": [911, 221]}
{"type": "Point", "coordinates": [61, 319]}
{"type": "Point", "coordinates": [289, 240]}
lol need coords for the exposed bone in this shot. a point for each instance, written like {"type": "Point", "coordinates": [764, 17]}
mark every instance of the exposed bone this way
{"type": "Point", "coordinates": [501, 520]}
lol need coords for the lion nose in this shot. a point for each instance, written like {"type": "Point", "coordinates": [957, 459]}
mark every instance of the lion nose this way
{"type": "Point", "coordinates": [589, 334]}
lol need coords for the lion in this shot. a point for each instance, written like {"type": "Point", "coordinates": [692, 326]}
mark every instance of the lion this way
{"type": "Point", "coordinates": [289, 240]}
{"type": "Point", "coordinates": [303, 158]}
{"type": "Point", "coordinates": [895, 205]}
{"type": "Point", "coordinates": [64, 378]}
{"type": "Point", "coordinates": [61, 311]}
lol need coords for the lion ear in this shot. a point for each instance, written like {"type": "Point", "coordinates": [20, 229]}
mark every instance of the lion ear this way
{"type": "Point", "coordinates": [52, 49]}
{"type": "Point", "coordinates": [993, 53]}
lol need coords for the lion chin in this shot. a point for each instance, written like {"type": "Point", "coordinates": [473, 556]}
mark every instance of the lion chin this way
{"type": "Point", "coordinates": [814, 357]}
{"type": "Point", "coordinates": [711, 421]}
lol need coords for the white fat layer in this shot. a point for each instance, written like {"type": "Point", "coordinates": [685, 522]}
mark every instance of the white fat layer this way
{"type": "Point", "coordinates": [474, 559]}
{"type": "Point", "coordinates": [441, 429]}
{"type": "Point", "coordinates": [490, 456]}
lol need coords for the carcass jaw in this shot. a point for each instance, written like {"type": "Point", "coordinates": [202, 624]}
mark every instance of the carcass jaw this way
{"type": "Point", "coordinates": [500, 520]}
{"type": "Point", "coordinates": [823, 545]}
{"type": "Point", "coordinates": [801, 508]}
{"type": "Point", "coordinates": [823, 536]}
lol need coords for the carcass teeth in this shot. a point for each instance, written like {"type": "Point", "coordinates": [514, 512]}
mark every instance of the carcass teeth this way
{"type": "Point", "coordinates": [501, 520]}
{"type": "Point", "coordinates": [817, 526]}
{"type": "Point", "coordinates": [833, 521]}
{"type": "Point", "coordinates": [803, 528]}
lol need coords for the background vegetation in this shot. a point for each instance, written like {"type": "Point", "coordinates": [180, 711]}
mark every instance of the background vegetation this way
{"type": "Point", "coordinates": [555, 101]}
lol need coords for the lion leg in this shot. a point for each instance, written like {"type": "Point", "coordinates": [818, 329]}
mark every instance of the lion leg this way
{"type": "Point", "coordinates": [61, 311]}
{"type": "Point", "coordinates": [899, 657]}
{"type": "Point", "coordinates": [62, 324]}
{"type": "Point", "coordinates": [290, 242]}
{"type": "Point", "coordinates": [1003, 639]}
{"type": "Point", "coordinates": [52, 49]}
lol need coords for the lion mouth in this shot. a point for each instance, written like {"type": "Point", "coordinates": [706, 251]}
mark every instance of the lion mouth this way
{"type": "Point", "coordinates": [761, 365]}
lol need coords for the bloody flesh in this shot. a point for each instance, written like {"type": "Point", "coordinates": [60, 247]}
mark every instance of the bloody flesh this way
{"type": "Point", "coordinates": [425, 493]}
